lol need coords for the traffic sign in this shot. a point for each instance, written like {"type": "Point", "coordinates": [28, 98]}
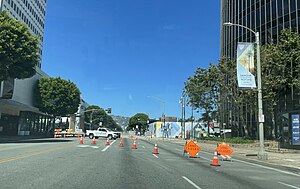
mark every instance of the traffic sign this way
{"type": "Point", "coordinates": [224, 149]}
{"type": "Point", "coordinates": [192, 148]}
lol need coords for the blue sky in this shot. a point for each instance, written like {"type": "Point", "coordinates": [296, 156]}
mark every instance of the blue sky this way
{"type": "Point", "coordinates": [129, 55]}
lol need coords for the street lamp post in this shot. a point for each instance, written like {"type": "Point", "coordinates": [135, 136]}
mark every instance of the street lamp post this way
{"type": "Point", "coordinates": [261, 154]}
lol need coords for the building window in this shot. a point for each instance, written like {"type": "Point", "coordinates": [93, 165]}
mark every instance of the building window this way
{"type": "Point", "coordinates": [273, 9]}
{"type": "Point", "coordinates": [279, 4]}
{"type": "Point", "coordinates": [286, 7]}
{"type": "Point", "coordinates": [293, 5]}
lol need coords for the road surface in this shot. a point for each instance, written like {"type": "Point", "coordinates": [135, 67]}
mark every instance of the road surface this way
{"type": "Point", "coordinates": [63, 163]}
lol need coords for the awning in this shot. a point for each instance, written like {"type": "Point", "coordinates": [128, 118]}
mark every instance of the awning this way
{"type": "Point", "coordinates": [9, 106]}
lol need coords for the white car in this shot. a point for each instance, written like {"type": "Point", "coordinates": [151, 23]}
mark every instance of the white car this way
{"type": "Point", "coordinates": [101, 132]}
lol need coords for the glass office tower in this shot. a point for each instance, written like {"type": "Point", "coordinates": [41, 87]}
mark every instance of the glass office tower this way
{"type": "Point", "coordinates": [268, 17]}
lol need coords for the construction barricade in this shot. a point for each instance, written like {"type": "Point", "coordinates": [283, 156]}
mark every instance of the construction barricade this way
{"type": "Point", "coordinates": [57, 133]}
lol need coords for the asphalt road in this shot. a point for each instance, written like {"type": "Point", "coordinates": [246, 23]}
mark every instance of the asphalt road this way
{"type": "Point", "coordinates": [63, 163]}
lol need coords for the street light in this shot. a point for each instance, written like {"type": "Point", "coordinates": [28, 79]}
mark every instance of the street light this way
{"type": "Point", "coordinates": [261, 154]}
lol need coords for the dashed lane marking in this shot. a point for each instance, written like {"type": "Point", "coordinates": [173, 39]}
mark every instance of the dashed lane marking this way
{"type": "Point", "coordinates": [191, 182]}
{"type": "Point", "coordinates": [155, 155]}
{"type": "Point", "coordinates": [288, 185]}
{"type": "Point", "coordinates": [291, 160]}
{"type": "Point", "coordinates": [108, 146]}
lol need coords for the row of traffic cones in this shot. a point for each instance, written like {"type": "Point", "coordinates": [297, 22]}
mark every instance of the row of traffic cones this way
{"type": "Point", "coordinates": [215, 161]}
{"type": "Point", "coordinates": [93, 141]}
{"type": "Point", "coordinates": [155, 151]}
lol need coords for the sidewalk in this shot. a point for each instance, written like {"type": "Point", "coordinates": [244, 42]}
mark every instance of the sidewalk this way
{"type": "Point", "coordinates": [290, 158]}
{"type": "Point", "coordinates": [29, 139]}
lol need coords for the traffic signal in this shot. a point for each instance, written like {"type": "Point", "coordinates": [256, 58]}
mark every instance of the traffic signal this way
{"type": "Point", "coordinates": [108, 110]}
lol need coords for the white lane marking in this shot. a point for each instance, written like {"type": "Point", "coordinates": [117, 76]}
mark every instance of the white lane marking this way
{"type": "Point", "coordinates": [108, 146]}
{"type": "Point", "coordinates": [87, 146]}
{"type": "Point", "coordinates": [143, 146]}
{"type": "Point", "coordinates": [191, 182]}
{"type": "Point", "coordinates": [288, 185]}
{"type": "Point", "coordinates": [155, 155]}
{"type": "Point", "coordinates": [290, 160]}
{"type": "Point", "coordinates": [270, 168]}
{"type": "Point", "coordinates": [83, 146]}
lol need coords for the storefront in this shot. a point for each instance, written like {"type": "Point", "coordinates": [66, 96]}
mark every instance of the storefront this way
{"type": "Point", "coordinates": [20, 119]}
{"type": "Point", "coordinates": [31, 123]}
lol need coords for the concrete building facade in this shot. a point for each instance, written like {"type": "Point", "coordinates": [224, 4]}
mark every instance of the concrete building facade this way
{"type": "Point", "coordinates": [18, 116]}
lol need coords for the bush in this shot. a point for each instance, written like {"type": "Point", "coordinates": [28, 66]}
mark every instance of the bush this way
{"type": "Point", "coordinates": [235, 140]}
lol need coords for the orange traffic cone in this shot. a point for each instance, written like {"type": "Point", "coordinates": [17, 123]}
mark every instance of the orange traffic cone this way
{"type": "Point", "coordinates": [94, 141]}
{"type": "Point", "coordinates": [81, 141]}
{"type": "Point", "coordinates": [121, 143]}
{"type": "Point", "coordinates": [215, 161]}
{"type": "Point", "coordinates": [134, 145]}
{"type": "Point", "coordinates": [107, 142]}
{"type": "Point", "coordinates": [155, 151]}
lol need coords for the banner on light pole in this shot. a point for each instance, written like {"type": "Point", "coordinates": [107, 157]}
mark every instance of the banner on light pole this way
{"type": "Point", "coordinates": [245, 66]}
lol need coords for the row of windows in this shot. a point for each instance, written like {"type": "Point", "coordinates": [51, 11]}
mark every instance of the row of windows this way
{"type": "Point", "coordinates": [32, 11]}
{"type": "Point", "coordinates": [24, 18]}
{"type": "Point", "coordinates": [268, 19]}
{"type": "Point", "coordinates": [39, 6]}
{"type": "Point", "coordinates": [242, 5]}
{"type": "Point", "coordinates": [269, 9]}
{"type": "Point", "coordinates": [27, 4]}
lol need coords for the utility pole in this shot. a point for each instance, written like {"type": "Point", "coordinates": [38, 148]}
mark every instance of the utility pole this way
{"type": "Point", "coordinates": [184, 117]}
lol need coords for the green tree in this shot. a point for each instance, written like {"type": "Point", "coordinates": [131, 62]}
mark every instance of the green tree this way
{"type": "Point", "coordinates": [18, 49]}
{"type": "Point", "coordinates": [96, 114]}
{"type": "Point", "coordinates": [203, 89]}
{"type": "Point", "coordinates": [57, 96]}
{"type": "Point", "coordinates": [140, 120]}
{"type": "Point", "coordinates": [238, 100]}
{"type": "Point", "coordinates": [280, 78]}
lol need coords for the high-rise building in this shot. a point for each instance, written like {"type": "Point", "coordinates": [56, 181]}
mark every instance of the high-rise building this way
{"type": "Point", "coordinates": [30, 12]}
{"type": "Point", "coordinates": [18, 114]}
{"type": "Point", "coordinates": [268, 17]}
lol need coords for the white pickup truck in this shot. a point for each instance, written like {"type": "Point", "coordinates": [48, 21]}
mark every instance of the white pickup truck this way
{"type": "Point", "coordinates": [101, 132]}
